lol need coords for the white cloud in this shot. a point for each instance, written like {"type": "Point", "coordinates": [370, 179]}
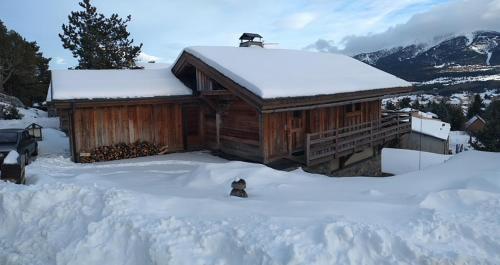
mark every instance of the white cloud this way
{"type": "Point", "coordinates": [296, 21]}
{"type": "Point", "coordinates": [144, 57]}
{"type": "Point", "coordinates": [439, 22]}
{"type": "Point", "coordinates": [60, 60]}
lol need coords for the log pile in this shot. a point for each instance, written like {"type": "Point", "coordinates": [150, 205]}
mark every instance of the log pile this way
{"type": "Point", "coordinates": [121, 151]}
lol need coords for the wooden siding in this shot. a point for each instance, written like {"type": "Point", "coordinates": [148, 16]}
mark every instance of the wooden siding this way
{"type": "Point", "coordinates": [209, 129]}
{"type": "Point", "coordinates": [282, 137]}
{"type": "Point", "coordinates": [239, 131]}
{"type": "Point", "coordinates": [203, 82]}
{"type": "Point", "coordinates": [100, 126]}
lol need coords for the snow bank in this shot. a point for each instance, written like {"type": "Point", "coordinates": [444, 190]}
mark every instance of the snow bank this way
{"type": "Point", "coordinates": [460, 138]}
{"type": "Point", "coordinates": [399, 161]}
{"type": "Point", "coordinates": [95, 84]}
{"type": "Point", "coordinates": [30, 115]}
{"type": "Point", "coordinates": [54, 143]}
{"type": "Point", "coordinates": [275, 73]}
{"type": "Point", "coordinates": [175, 209]}
{"type": "Point", "coordinates": [11, 158]}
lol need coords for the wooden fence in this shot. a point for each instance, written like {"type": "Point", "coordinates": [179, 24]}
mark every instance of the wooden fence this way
{"type": "Point", "coordinates": [327, 145]}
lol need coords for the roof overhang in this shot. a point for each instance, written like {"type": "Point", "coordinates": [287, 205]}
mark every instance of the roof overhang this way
{"type": "Point", "coordinates": [122, 101]}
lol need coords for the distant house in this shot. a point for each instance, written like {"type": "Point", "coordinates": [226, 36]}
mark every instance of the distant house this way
{"type": "Point", "coordinates": [475, 124]}
{"type": "Point", "coordinates": [427, 134]}
{"type": "Point", "coordinates": [254, 103]}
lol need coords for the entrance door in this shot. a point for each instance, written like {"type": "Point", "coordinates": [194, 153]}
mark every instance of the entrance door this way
{"type": "Point", "coordinates": [296, 132]}
{"type": "Point", "coordinates": [191, 127]}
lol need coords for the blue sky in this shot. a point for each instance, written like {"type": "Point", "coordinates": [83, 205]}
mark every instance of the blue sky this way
{"type": "Point", "coordinates": [165, 27]}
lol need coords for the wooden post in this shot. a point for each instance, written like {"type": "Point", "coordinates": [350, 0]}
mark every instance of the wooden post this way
{"type": "Point", "coordinates": [217, 127]}
{"type": "Point", "coordinates": [308, 149]}
{"type": "Point", "coordinates": [397, 119]}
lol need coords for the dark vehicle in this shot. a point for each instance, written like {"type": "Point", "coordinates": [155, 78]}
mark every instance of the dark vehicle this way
{"type": "Point", "coordinates": [19, 140]}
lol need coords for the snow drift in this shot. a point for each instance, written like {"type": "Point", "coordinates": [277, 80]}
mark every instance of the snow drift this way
{"type": "Point", "coordinates": [175, 209]}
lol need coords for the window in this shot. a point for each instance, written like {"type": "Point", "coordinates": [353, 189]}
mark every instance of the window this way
{"type": "Point", "coordinates": [297, 114]}
{"type": "Point", "coordinates": [353, 107]}
{"type": "Point", "coordinates": [348, 108]}
{"type": "Point", "coordinates": [8, 137]}
{"type": "Point", "coordinates": [357, 107]}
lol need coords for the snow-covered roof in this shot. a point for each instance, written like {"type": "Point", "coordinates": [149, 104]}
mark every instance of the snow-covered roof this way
{"type": "Point", "coordinates": [108, 84]}
{"type": "Point", "coordinates": [418, 113]}
{"type": "Point", "coordinates": [275, 73]}
{"type": "Point", "coordinates": [432, 127]}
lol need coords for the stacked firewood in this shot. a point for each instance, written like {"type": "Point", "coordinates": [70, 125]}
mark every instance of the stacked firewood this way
{"type": "Point", "coordinates": [121, 151]}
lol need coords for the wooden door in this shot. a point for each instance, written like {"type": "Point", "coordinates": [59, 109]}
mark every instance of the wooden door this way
{"type": "Point", "coordinates": [352, 114]}
{"type": "Point", "coordinates": [296, 131]}
{"type": "Point", "coordinates": [191, 127]}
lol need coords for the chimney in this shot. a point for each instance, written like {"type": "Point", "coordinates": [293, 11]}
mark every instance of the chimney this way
{"type": "Point", "coordinates": [251, 40]}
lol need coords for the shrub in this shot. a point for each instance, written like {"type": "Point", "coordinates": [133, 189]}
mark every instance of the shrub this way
{"type": "Point", "coordinates": [9, 112]}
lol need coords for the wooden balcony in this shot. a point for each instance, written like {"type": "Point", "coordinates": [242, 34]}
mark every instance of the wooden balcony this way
{"type": "Point", "coordinates": [324, 146]}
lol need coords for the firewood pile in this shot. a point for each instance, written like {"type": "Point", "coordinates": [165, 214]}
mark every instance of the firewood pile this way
{"type": "Point", "coordinates": [122, 151]}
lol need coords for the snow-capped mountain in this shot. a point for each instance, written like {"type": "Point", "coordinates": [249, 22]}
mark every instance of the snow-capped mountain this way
{"type": "Point", "coordinates": [474, 54]}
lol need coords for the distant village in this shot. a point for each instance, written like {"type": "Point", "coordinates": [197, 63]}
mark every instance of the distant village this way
{"type": "Point", "coordinates": [429, 132]}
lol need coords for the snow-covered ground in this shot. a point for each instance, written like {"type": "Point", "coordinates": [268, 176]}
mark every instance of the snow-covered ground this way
{"type": "Point", "coordinates": [175, 209]}
{"type": "Point", "coordinates": [460, 138]}
{"type": "Point", "coordinates": [30, 115]}
{"type": "Point", "coordinates": [400, 161]}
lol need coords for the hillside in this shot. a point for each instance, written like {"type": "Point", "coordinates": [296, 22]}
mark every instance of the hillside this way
{"type": "Point", "coordinates": [461, 59]}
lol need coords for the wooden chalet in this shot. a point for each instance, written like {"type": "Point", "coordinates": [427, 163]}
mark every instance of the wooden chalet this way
{"type": "Point", "coordinates": [258, 104]}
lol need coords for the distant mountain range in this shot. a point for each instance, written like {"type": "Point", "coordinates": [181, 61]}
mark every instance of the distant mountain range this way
{"type": "Point", "coordinates": [470, 58]}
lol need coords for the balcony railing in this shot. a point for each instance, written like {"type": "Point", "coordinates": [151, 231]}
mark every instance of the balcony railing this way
{"type": "Point", "coordinates": [324, 146]}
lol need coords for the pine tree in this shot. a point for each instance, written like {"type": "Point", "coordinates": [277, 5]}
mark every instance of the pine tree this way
{"type": "Point", "coordinates": [405, 103]}
{"type": "Point", "coordinates": [389, 105]}
{"type": "Point", "coordinates": [456, 117]}
{"type": "Point", "coordinates": [475, 108]}
{"type": "Point", "coordinates": [23, 69]}
{"type": "Point", "coordinates": [489, 138]}
{"type": "Point", "coordinates": [99, 42]}
{"type": "Point", "coordinates": [416, 105]}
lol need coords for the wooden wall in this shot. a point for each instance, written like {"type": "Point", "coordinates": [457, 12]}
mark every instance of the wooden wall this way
{"type": "Point", "coordinates": [275, 137]}
{"type": "Point", "coordinates": [324, 119]}
{"type": "Point", "coordinates": [209, 129]}
{"type": "Point", "coordinates": [277, 127]}
{"type": "Point", "coordinates": [239, 131]}
{"type": "Point", "coordinates": [100, 126]}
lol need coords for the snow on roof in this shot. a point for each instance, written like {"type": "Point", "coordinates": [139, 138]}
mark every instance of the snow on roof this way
{"type": "Point", "coordinates": [274, 73]}
{"type": "Point", "coordinates": [418, 113]}
{"type": "Point", "coordinates": [432, 127]}
{"type": "Point", "coordinates": [105, 84]}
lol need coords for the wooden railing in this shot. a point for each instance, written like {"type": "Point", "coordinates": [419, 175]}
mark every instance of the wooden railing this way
{"type": "Point", "coordinates": [327, 145]}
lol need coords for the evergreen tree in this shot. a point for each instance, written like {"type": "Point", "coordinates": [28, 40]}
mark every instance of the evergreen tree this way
{"type": "Point", "coordinates": [489, 138]}
{"type": "Point", "coordinates": [416, 105]}
{"type": "Point", "coordinates": [23, 69]}
{"type": "Point", "coordinates": [405, 103]}
{"type": "Point", "coordinates": [475, 108]}
{"type": "Point", "coordinates": [448, 113]}
{"type": "Point", "coordinates": [456, 117]}
{"type": "Point", "coordinates": [99, 42]}
{"type": "Point", "coordinates": [389, 105]}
